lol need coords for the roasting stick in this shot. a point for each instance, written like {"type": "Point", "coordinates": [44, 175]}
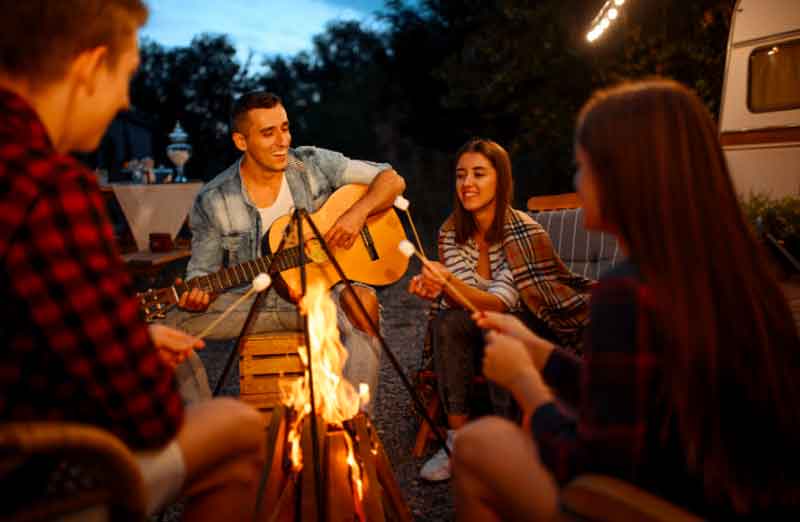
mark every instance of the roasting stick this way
{"type": "Point", "coordinates": [402, 203]}
{"type": "Point", "coordinates": [260, 283]}
{"type": "Point", "coordinates": [408, 250]}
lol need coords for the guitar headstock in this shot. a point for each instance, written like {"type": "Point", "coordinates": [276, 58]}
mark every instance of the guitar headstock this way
{"type": "Point", "coordinates": [155, 302]}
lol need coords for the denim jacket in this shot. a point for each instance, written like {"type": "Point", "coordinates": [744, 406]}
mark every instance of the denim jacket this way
{"type": "Point", "coordinates": [226, 224]}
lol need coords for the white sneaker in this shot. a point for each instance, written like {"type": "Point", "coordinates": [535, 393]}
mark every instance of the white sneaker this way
{"type": "Point", "coordinates": [437, 468]}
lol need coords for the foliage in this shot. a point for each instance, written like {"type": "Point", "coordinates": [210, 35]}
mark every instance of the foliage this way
{"type": "Point", "coordinates": [335, 94]}
{"type": "Point", "coordinates": [436, 73]}
{"type": "Point", "coordinates": [526, 68]}
{"type": "Point", "coordinates": [193, 85]}
{"type": "Point", "coordinates": [683, 39]}
{"type": "Point", "coordinates": [779, 217]}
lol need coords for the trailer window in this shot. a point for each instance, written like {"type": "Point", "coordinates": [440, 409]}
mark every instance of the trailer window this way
{"type": "Point", "coordinates": [775, 78]}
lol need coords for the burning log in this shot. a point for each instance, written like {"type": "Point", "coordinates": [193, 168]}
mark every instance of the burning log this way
{"type": "Point", "coordinates": [373, 504]}
{"type": "Point", "coordinates": [276, 444]}
{"type": "Point", "coordinates": [325, 461]}
{"type": "Point", "coordinates": [341, 499]}
{"type": "Point", "coordinates": [358, 483]}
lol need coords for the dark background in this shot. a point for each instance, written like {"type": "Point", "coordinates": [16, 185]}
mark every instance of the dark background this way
{"type": "Point", "coordinates": [435, 75]}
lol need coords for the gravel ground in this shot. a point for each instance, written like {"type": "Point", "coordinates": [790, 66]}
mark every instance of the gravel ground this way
{"type": "Point", "coordinates": [404, 322]}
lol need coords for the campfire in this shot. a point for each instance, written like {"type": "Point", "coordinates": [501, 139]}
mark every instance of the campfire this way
{"type": "Point", "coordinates": [325, 460]}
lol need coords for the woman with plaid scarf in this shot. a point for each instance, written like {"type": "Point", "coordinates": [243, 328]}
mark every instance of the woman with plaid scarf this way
{"type": "Point", "coordinates": [501, 260]}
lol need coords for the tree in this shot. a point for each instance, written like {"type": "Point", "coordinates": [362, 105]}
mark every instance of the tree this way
{"type": "Point", "coordinates": [194, 85]}
{"type": "Point", "coordinates": [335, 94]}
{"type": "Point", "coordinates": [525, 70]}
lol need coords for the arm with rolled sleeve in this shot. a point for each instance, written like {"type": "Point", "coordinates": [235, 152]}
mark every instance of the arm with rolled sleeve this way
{"type": "Point", "coordinates": [384, 182]}
{"type": "Point", "coordinates": [384, 186]}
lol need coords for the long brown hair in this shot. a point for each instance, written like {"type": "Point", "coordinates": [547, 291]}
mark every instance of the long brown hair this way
{"type": "Point", "coordinates": [732, 355]}
{"type": "Point", "coordinates": [464, 222]}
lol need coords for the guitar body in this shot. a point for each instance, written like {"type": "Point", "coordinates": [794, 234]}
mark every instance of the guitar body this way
{"type": "Point", "coordinates": [373, 258]}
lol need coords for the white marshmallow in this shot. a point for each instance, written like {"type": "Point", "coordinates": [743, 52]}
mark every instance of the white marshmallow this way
{"type": "Point", "coordinates": [363, 395]}
{"type": "Point", "coordinates": [261, 282]}
{"type": "Point", "coordinates": [401, 203]}
{"type": "Point", "coordinates": [406, 247]}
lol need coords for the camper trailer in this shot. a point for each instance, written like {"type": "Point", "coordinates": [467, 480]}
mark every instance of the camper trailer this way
{"type": "Point", "coordinates": [760, 111]}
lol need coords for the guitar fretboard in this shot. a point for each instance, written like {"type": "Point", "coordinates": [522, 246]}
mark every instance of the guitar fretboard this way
{"type": "Point", "coordinates": [244, 273]}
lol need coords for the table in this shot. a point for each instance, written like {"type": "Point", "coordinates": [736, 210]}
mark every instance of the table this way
{"type": "Point", "coordinates": [146, 262]}
{"type": "Point", "coordinates": [154, 208]}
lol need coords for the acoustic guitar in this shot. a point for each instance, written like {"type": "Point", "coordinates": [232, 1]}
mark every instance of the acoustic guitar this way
{"type": "Point", "coordinates": [372, 259]}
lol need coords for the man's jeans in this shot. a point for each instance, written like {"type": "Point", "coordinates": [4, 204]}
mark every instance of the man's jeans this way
{"type": "Point", "coordinates": [277, 315]}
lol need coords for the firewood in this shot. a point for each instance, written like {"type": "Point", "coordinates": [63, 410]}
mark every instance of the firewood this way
{"type": "Point", "coordinates": [275, 472]}
{"type": "Point", "coordinates": [387, 479]}
{"type": "Point", "coordinates": [309, 502]}
{"type": "Point", "coordinates": [373, 505]}
{"type": "Point", "coordinates": [339, 492]}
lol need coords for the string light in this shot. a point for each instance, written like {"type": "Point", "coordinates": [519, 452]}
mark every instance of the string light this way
{"type": "Point", "coordinates": [602, 21]}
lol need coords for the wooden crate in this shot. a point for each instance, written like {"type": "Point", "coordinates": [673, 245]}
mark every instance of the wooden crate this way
{"type": "Point", "coordinates": [264, 360]}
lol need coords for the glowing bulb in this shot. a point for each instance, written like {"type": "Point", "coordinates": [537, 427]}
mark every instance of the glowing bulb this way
{"type": "Point", "coordinates": [613, 13]}
{"type": "Point", "coordinates": [590, 36]}
{"type": "Point", "coordinates": [605, 23]}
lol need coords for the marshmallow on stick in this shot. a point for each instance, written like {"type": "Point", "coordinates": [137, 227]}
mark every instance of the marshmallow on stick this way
{"type": "Point", "coordinates": [402, 203]}
{"type": "Point", "coordinates": [260, 283]}
{"type": "Point", "coordinates": [408, 250]}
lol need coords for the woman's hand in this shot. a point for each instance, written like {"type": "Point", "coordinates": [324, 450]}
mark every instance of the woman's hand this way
{"type": "Point", "coordinates": [429, 285]}
{"type": "Point", "coordinates": [505, 359]}
{"type": "Point", "coordinates": [173, 345]}
{"type": "Point", "coordinates": [419, 286]}
{"type": "Point", "coordinates": [538, 349]}
{"type": "Point", "coordinates": [507, 362]}
{"type": "Point", "coordinates": [436, 274]}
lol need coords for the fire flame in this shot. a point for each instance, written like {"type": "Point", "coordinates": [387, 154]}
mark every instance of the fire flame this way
{"type": "Point", "coordinates": [336, 399]}
{"type": "Point", "coordinates": [355, 471]}
{"type": "Point", "coordinates": [295, 451]}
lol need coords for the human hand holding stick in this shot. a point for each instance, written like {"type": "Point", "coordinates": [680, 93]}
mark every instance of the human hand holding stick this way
{"type": "Point", "coordinates": [173, 345]}
{"type": "Point", "coordinates": [538, 348]}
{"type": "Point", "coordinates": [407, 248]}
{"type": "Point", "coordinates": [260, 283]}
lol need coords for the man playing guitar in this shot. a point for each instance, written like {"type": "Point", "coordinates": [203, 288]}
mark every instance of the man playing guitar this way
{"type": "Point", "coordinates": [234, 211]}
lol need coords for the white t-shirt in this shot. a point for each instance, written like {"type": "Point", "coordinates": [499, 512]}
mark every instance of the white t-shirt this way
{"type": "Point", "coordinates": [282, 206]}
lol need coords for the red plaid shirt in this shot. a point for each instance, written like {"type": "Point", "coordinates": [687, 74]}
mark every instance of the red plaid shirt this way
{"type": "Point", "coordinates": [72, 346]}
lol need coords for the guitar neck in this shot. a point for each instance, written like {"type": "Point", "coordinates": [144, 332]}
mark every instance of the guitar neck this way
{"type": "Point", "coordinates": [242, 274]}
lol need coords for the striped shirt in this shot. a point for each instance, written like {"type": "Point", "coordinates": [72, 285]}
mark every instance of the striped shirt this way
{"type": "Point", "coordinates": [462, 261]}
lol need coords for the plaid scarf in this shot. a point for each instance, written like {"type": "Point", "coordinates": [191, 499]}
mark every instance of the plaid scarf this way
{"type": "Point", "coordinates": [548, 288]}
